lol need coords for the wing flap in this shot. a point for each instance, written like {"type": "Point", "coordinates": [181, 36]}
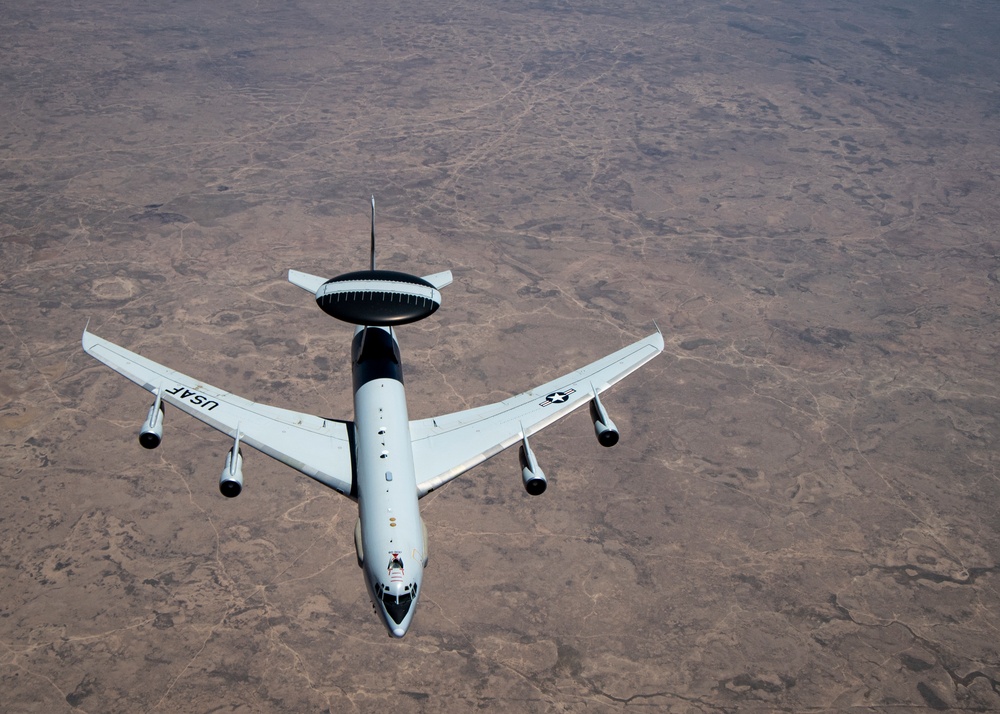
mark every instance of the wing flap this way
{"type": "Point", "coordinates": [319, 448]}
{"type": "Point", "coordinates": [445, 447]}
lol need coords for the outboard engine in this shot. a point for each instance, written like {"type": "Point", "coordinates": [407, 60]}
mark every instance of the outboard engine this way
{"type": "Point", "coordinates": [151, 433]}
{"type": "Point", "coordinates": [231, 480]}
{"type": "Point", "coordinates": [532, 475]}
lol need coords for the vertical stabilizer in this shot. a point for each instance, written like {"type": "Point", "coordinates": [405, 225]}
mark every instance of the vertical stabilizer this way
{"type": "Point", "coordinates": [373, 232]}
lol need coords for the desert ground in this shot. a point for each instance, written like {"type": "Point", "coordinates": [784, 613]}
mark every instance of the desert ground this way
{"type": "Point", "coordinates": [803, 196]}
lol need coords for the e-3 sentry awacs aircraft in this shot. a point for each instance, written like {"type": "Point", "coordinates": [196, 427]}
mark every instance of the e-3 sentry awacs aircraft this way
{"type": "Point", "coordinates": [382, 460]}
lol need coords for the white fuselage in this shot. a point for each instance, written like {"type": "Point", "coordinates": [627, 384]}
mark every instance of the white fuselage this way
{"type": "Point", "coordinates": [392, 533]}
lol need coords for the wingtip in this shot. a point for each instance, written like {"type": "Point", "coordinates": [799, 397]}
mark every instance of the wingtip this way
{"type": "Point", "coordinates": [657, 338]}
{"type": "Point", "coordinates": [88, 340]}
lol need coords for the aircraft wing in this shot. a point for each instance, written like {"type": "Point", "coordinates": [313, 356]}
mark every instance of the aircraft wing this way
{"type": "Point", "coordinates": [319, 448]}
{"type": "Point", "coordinates": [447, 446]}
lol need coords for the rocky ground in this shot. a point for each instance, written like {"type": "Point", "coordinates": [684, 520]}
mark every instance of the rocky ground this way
{"type": "Point", "coordinates": [801, 515]}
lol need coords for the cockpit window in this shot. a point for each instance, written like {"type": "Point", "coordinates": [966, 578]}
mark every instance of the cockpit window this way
{"type": "Point", "coordinates": [397, 606]}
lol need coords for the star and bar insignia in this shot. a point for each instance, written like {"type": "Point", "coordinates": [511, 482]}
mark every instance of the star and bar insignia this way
{"type": "Point", "coordinates": [556, 397]}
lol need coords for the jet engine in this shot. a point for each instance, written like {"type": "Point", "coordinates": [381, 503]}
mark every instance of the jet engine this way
{"type": "Point", "coordinates": [532, 475]}
{"type": "Point", "coordinates": [151, 433]}
{"type": "Point", "coordinates": [231, 480]}
{"type": "Point", "coordinates": [607, 432]}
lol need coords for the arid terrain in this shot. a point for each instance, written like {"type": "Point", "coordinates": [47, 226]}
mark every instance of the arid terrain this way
{"type": "Point", "coordinates": [802, 515]}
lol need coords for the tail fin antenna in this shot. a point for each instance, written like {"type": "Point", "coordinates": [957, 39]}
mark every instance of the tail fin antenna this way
{"type": "Point", "coordinates": [373, 232]}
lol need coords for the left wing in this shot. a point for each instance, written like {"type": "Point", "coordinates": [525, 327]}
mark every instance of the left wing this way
{"type": "Point", "coordinates": [319, 448]}
{"type": "Point", "coordinates": [447, 446]}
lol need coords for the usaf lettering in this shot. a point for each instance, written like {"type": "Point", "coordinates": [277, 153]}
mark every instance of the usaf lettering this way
{"type": "Point", "coordinates": [199, 400]}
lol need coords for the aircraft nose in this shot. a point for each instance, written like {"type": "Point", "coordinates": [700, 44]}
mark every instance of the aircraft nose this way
{"type": "Point", "coordinates": [398, 631]}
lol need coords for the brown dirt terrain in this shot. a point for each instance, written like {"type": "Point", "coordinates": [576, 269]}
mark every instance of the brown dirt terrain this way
{"type": "Point", "coordinates": [801, 515]}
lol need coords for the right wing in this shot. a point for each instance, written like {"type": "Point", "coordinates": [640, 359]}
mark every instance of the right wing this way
{"type": "Point", "coordinates": [319, 448]}
{"type": "Point", "coordinates": [447, 446]}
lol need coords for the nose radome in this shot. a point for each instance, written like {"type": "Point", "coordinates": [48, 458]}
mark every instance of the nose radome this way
{"type": "Point", "coordinates": [398, 631]}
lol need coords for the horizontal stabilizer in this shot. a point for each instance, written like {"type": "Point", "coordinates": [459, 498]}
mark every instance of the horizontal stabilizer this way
{"type": "Point", "coordinates": [306, 281]}
{"type": "Point", "coordinates": [439, 280]}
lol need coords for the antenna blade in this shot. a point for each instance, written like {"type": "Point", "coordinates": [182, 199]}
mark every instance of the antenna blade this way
{"type": "Point", "coordinates": [373, 232]}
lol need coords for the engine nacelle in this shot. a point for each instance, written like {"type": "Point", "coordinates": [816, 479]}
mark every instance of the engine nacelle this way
{"type": "Point", "coordinates": [532, 475]}
{"type": "Point", "coordinates": [151, 433]}
{"type": "Point", "coordinates": [231, 480]}
{"type": "Point", "coordinates": [607, 432]}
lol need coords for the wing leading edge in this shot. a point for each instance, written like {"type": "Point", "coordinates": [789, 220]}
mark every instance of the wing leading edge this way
{"type": "Point", "coordinates": [319, 448]}
{"type": "Point", "coordinates": [447, 446]}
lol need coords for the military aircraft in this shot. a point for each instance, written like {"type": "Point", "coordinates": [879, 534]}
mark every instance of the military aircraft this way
{"type": "Point", "coordinates": [382, 460]}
